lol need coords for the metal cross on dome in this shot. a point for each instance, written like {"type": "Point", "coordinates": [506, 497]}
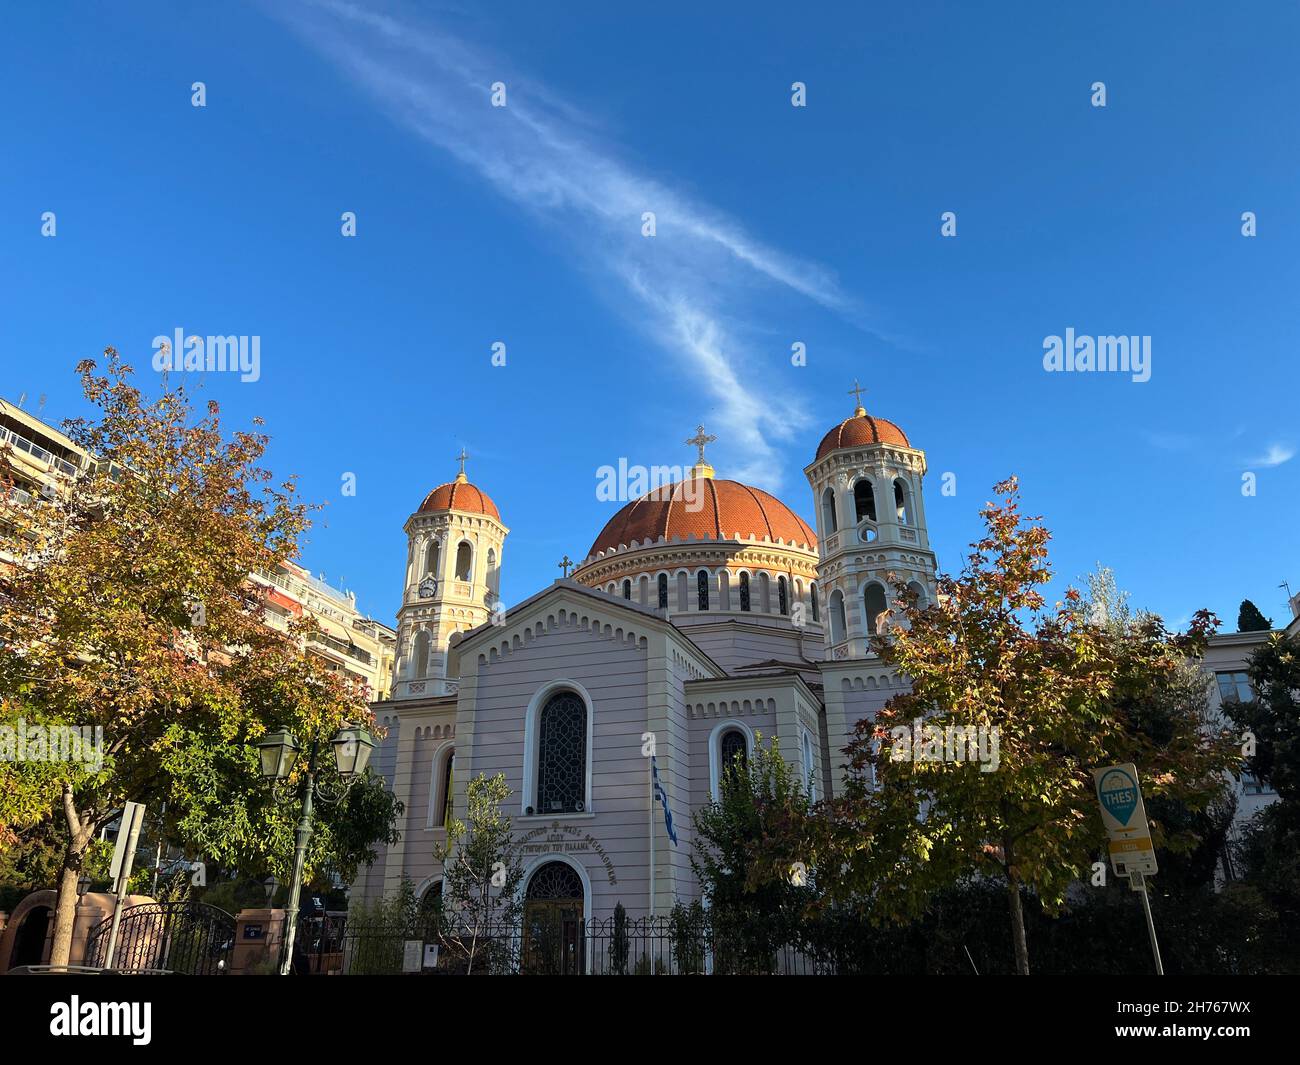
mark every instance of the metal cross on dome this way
{"type": "Point", "coordinates": [461, 459]}
{"type": "Point", "coordinates": [565, 563]}
{"type": "Point", "coordinates": [856, 392]}
{"type": "Point", "coordinates": [700, 439]}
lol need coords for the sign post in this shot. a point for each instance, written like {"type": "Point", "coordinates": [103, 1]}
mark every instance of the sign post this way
{"type": "Point", "coordinates": [128, 836]}
{"type": "Point", "coordinates": [1132, 853]}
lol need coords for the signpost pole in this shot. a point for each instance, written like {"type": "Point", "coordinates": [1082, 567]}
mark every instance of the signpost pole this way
{"type": "Point", "coordinates": [651, 827]}
{"type": "Point", "coordinates": [128, 836]}
{"type": "Point", "coordinates": [1138, 883]}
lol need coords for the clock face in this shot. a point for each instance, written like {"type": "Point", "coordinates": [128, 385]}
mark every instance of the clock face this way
{"type": "Point", "coordinates": [428, 588]}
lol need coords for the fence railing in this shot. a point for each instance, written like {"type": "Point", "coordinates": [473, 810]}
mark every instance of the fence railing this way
{"type": "Point", "coordinates": [548, 945]}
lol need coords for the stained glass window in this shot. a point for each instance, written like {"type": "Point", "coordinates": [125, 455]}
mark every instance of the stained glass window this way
{"type": "Point", "coordinates": [562, 755]}
{"type": "Point", "coordinates": [733, 746]}
{"type": "Point", "coordinates": [663, 591]}
{"type": "Point", "coordinates": [555, 880]}
{"type": "Point", "coordinates": [744, 591]}
{"type": "Point", "coordinates": [783, 595]}
{"type": "Point", "coordinates": [703, 582]}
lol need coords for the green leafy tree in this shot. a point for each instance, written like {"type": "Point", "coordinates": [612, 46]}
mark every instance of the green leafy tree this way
{"type": "Point", "coordinates": [1251, 619]}
{"type": "Point", "coordinates": [1051, 684]}
{"type": "Point", "coordinates": [128, 608]}
{"type": "Point", "coordinates": [756, 879]}
{"type": "Point", "coordinates": [481, 872]}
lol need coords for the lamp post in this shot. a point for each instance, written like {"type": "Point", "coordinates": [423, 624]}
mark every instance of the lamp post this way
{"type": "Point", "coordinates": [279, 750]}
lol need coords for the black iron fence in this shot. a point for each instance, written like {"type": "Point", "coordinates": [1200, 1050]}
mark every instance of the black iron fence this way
{"type": "Point", "coordinates": [614, 946]}
{"type": "Point", "coordinates": [179, 937]}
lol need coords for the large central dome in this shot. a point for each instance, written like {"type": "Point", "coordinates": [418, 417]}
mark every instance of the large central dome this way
{"type": "Point", "coordinates": [707, 509]}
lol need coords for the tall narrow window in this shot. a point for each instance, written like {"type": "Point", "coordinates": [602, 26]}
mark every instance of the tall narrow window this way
{"type": "Point", "coordinates": [627, 589]}
{"type": "Point", "coordinates": [683, 593]}
{"type": "Point", "coordinates": [812, 596]}
{"type": "Point", "coordinates": [663, 591]}
{"type": "Point", "coordinates": [735, 750]}
{"type": "Point", "coordinates": [839, 623]}
{"type": "Point", "coordinates": [422, 642]}
{"type": "Point", "coordinates": [783, 595]}
{"type": "Point", "coordinates": [562, 755]}
{"type": "Point", "coordinates": [864, 500]}
{"type": "Point", "coordinates": [829, 522]}
{"type": "Point", "coordinates": [432, 557]}
{"type": "Point", "coordinates": [900, 502]}
{"type": "Point", "coordinates": [875, 607]}
{"type": "Point", "coordinates": [464, 562]}
{"type": "Point", "coordinates": [702, 584]}
{"type": "Point", "coordinates": [744, 591]}
{"type": "Point", "coordinates": [448, 788]}
{"type": "Point", "coordinates": [493, 573]}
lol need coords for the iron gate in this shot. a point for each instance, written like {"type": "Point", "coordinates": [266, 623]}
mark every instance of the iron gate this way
{"type": "Point", "coordinates": [180, 937]}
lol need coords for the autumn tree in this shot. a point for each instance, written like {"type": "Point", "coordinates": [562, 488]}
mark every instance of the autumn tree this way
{"type": "Point", "coordinates": [127, 607]}
{"type": "Point", "coordinates": [1049, 693]}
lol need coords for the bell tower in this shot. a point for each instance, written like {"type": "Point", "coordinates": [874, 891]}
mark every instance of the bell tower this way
{"type": "Point", "coordinates": [453, 581]}
{"type": "Point", "coordinates": [867, 490]}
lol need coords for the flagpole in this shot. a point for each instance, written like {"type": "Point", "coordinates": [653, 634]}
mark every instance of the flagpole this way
{"type": "Point", "coordinates": [651, 827]}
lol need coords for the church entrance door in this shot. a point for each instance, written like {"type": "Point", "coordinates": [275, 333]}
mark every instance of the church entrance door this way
{"type": "Point", "coordinates": [554, 931]}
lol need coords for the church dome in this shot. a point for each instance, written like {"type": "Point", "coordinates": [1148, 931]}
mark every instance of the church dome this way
{"type": "Point", "coordinates": [707, 509]}
{"type": "Point", "coordinates": [860, 430]}
{"type": "Point", "coordinates": [462, 496]}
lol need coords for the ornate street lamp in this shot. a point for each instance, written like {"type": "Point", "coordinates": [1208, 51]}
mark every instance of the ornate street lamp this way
{"type": "Point", "coordinates": [279, 751]}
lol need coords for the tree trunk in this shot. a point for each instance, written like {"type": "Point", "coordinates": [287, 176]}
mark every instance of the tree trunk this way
{"type": "Point", "coordinates": [65, 910]}
{"type": "Point", "coordinates": [1018, 926]}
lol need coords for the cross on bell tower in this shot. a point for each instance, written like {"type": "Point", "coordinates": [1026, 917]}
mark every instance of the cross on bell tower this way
{"type": "Point", "coordinates": [461, 459]}
{"type": "Point", "coordinates": [700, 440]}
{"type": "Point", "coordinates": [856, 392]}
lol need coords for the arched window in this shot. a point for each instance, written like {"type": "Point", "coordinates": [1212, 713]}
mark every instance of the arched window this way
{"type": "Point", "coordinates": [900, 501]}
{"type": "Point", "coordinates": [644, 590]}
{"type": "Point", "coordinates": [431, 900]}
{"type": "Point", "coordinates": [829, 521]}
{"type": "Point", "coordinates": [562, 755]}
{"type": "Point", "coordinates": [627, 589]}
{"type": "Point", "coordinates": [783, 595]}
{"type": "Point", "coordinates": [809, 767]}
{"type": "Point", "coordinates": [448, 788]}
{"type": "Point", "coordinates": [432, 557]}
{"type": "Point", "coordinates": [702, 586]}
{"type": "Point", "coordinates": [839, 625]}
{"type": "Point", "coordinates": [724, 590]}
{"type": "Point", "coordinates": [733, 751]}
{"type": "Point", "coordinates": [493, 572]}
{"type": "Point", "coordinates": [764, 594]}
{"type": "Point", "coordinates": [464, 562]}
{"type": "Point", "coordinates": [874, 604]}
{"type": "Point", "coordinates": [555, 881]}
{"type": "Point", "coordinates": [864, 500]}
{"type": "Point", "coordinates": [422, 646]}
{"type": "Point", "coordinates": [663, 591]}
{"type": "Point", "coordinates": [683, 593]}
{"type": "Point", "coordinates": [744, 591]}
{"type": "Point", "coordinates": [812, 595]}
{"type": "Point", "coordinates": [916, 588]}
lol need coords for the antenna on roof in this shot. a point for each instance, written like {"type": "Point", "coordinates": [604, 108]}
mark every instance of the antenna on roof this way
{"type": "Point", "coordinates": [41, 405]}
{"type": "Point", "coordinates": [21, 400]}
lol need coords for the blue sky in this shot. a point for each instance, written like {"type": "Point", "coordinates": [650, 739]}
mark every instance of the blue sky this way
{"type": "Point", "coordinates": [775, 225]}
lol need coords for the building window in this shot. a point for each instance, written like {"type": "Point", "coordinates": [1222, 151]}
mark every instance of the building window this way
{"type": "Point", "coordinates": [1252, 785]}
{"type": "Point", "coordinates": [864, 500]}
{"type": "Point", "coordinates": [812, 596]}
{"type": "Point", "coordinates": [729, 750]}
{"type": "Point", "coordinates": [839, 622]}
{"type": "Point", "coordinates": [663, 591]}
{"type": "Point", "coordinates": [448, 788]}
{"type": "Point", "coordinates": [829, 521]}
{"type": "Point", "coordinates": [873, 602]}
{"type": "Point", "coordinates": [809, 767]}
{"type": "Point", "coordinates": [702, 586]}
{"type": "Point", "coordinates": [683, 592]}
{"type": "Point", "coordinates": [464, 562]}
{"type": "Point", "coordinates": [562, 755]}
{"type": "Point", "coordinates": [493, 573]}
{"type": "Point", "coordinates": [900, 502]}
{"type": "Point", "coordinates": [432, 557]}
{"type": "Point", "coordinates": [422, 642]}
{"type": "Point", "coordinates": [783, 595]}
{"type": "Point", "coordinates": [1235, 687]}
{"type": "Point", "coordinates": [627, 589]}
{"type": "Point", "coordinates": [744, 591]}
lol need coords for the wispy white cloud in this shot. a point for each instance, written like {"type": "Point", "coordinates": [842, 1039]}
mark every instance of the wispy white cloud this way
{"type": "Point", "coordinates": [698, 284]}
{"type": "Point", "coordinates": [1276, 455]}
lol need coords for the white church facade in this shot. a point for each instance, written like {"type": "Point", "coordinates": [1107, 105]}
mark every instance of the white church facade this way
{"type": "Point", "coordinates": [706, 613]}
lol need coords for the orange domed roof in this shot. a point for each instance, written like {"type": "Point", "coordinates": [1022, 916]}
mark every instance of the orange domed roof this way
{"type": "Point", "coordinates": [460, 495]}
{"type": "Point", "coordinates": [860, 430]}
{"type": "Point", "coordinates": [707, 509]}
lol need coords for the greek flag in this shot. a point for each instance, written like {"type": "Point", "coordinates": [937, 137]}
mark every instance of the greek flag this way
{"type": "Point", "coordinates": [662, 796]}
